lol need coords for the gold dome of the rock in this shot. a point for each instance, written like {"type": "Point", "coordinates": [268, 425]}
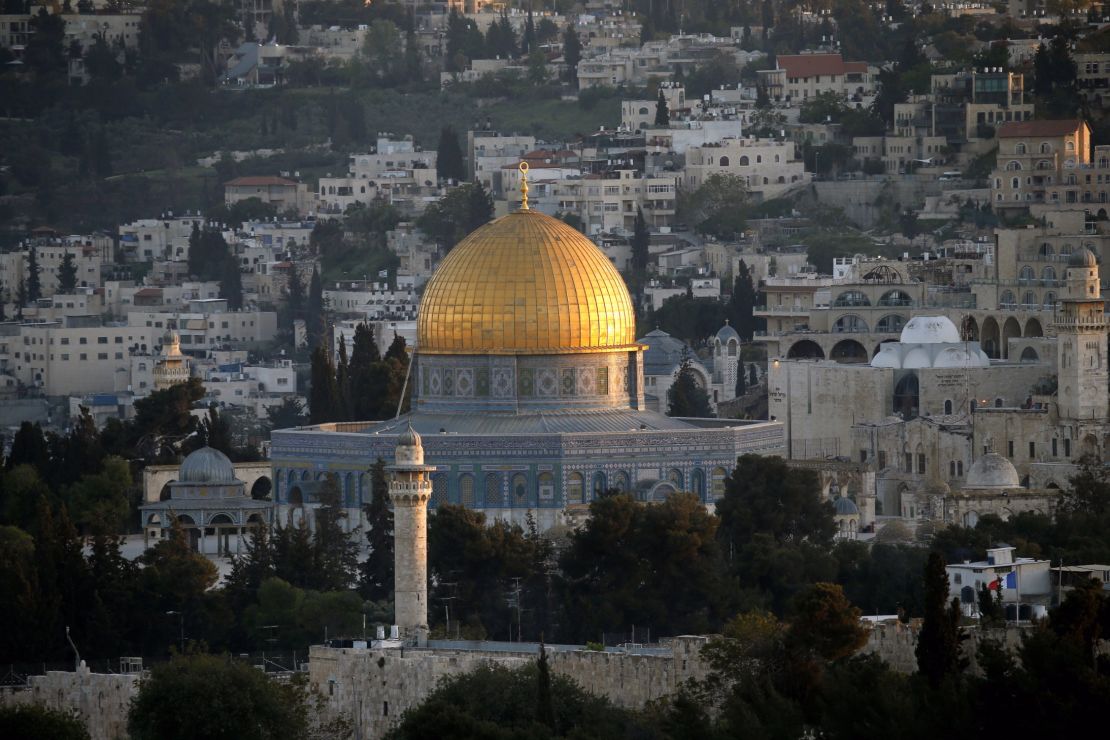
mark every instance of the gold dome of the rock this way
{"type": "Point", "coordinates": [524, 284]}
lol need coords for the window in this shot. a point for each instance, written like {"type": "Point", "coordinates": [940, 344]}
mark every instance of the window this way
{"type": "Point", "coordinates": [1055, 452]}
{"type": "Point", "coordinates": [1010, 448]}
{"type": "Point", "coordinates": [921, 463]}
{"type": "Point", "coordinates": [102, 340]}
{"type": "Point", "coordinates": [83, 356]}
{"type": "Point", "coordinates": [65, 340]}
{"type": "Point", "coordinates": [1067, 447]}
{"type": "Point", "coordinates": [1032, 449]}
{"type": "Point", "coordinates": [83, 340]}
{"type": "Point", "coordinates": [102, 355]}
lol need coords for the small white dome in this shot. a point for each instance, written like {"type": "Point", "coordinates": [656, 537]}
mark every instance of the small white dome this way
{"type": "Point", "coordinates": [890, 355]}
{"type": "Point", "coordinates": [916, 358]}
{"type": "Point", "coordinates": [961, 356]}
{"type": "Point", "coordinates": [930, 330]}
{"type": "Point", "coordinates": [992, 471]}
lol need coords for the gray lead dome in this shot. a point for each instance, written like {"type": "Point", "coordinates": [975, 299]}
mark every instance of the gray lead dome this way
{"type": "Point", "coordinates": [207, 465]}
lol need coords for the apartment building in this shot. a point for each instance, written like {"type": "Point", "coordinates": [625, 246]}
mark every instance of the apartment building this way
{"type": "Point", "coordinates": [488, 151]}
{"type": "Point", "coordinates": [207, 324]}
{"type": "Point", "coordinates": [284, 194]}
{"type": "Point", "coordinates": [149, 239]}
{"type": "Point", "coordinates": [607, 201]}
{"type": "Point", "coordinates": [396, 171]}
{"type": "Point", "coordinates": [768, 167]}
{"type": "Point", "coordinates": [1050, 164]}
{"type": "Point", "coordinates": [798, 77]}
{"type": "Point", "coordinates": [77, 355]}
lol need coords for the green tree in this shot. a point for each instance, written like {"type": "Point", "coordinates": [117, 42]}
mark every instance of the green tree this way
{"type": "Point", "coordinates": [741, 304]}
{"type": "Point", "coordinates": [383, 52]}
{"type": "Point", "coordinates": [449, 156]}
{"type": "Point", "coordinates": [316, 317]}
{"type": "Point", "coordinates": [34, 279]}
{"type": "Point", "coordinates": [458, 213]}
{"type": "Point", "coordinates": [938, 644]}
{"type": "Point", "coordinates": [335, 552]}
{"type": "Point", "coordinates": [686, 397]}
{"type": "Point", "coordinates": [253, 707]}
{"type": "Point", "coordinates": [572, 53]}
{"type": "Point", "coordinates": [825, 624]}
{"type": "Point", "coordinates": [101, 500]}
{"type": "Point", "coordinates": [662, 113]}
{"type": "Point", "coordinates": [369, 376]}
{"type": "Point", "coordinates": [323, 394]}
{"type": "Point", "coordinates": [67, 274]}
{"type": "Point", "coordinates": [376, 582]}
{"type": "Point", "coordinates": [716, 206]}
{"type": "Point", "coordinates": [766, 496]}
{"type": "Point", "coordinates": [289, 413]}
{"type": "Point", "coordinates": [640, 243]}
{"type": "Point", "coordinates": [36, 720]}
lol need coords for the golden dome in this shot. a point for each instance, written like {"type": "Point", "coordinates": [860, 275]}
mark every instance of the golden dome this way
{"type": "Point", "coordinates": [525, 284]}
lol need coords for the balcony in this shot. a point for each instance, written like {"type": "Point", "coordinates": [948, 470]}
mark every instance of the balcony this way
{"type": "Point", "coordinates": [782, 310]}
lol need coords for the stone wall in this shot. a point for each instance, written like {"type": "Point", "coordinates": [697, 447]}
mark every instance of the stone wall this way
{"type": "Point", "coordinates": [373, 687]}
{"type": "Point", "coordinates": [101, 700]}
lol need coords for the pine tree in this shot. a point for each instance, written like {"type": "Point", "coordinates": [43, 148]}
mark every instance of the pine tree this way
{"type": "Point", "coordinates": [335, 552]}
{"type": "Point", "coordinates": [216, 432]}
{"type": "Point", "coordinates": [449, 156]}
{"type": "Point", "coordinates": [67, 274]}
{"type": "Point", "coordinates": [34, 280]}
{"type": "Point", "coordinates": [641, 243]}
{"type": "Point", "coordinates": [368, 375]}
{"type": "Point", "coordinates": [529, 38]}
{"type": "Point", "coordinates": [231, 283]}
{"type": "Point", "coordinates": [662, 113]}
{"type": "Point", "coordinates": [376, 582]}
{"type": "Point", "coordinates": [685, 397]}
{"type": "Point", "coordinates": [938, 644]}
{"type": "Point", "coordinates": [316, 320]}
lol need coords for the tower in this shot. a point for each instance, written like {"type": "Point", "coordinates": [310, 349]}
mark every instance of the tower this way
{"type": "Point", "coordinates": [1081, 335]}
{"type": "Point", "coordinates": [409, 489]}
{"type": "Point", "coordinates": [172, 367]}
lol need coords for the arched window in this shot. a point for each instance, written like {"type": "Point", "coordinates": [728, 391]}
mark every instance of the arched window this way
{"type": "Point", "coordinates": [1047, 250]}
{"type": "Point", "coordinates": [895, 298]}
{"type": "Point", "coordinates": [520, 488]}
{"type": "Point", "coordinates": [574, 488]}
{"type": "Point", "coordinates": [493, 489]}
{"type": "Point", "coordinates": [439, 490]}
{"type": "Point", "coordinates": [697, 483]}
{"type": "Point", "coordinates": [759, 159]}
{"type": "Point", "coordinates": [1007, 300]}
{"type": "Point", "coordinates": [1013, 166]}
{"type": "Point", "coordinates": [724, 161]}
{"type": "Point", "coordinates": [621, 481]}
{"type": "Point", "coordinates": [1048, 273]}
{"type": "Point", "coordinates": [643, 111]}
{"type": "Point", "coordinates": [674, 475]}
{"type": "Point", "coordinates": [1049, 300]}
{"type": "Point", "coordinates": [466, 490]}
{"type": "Point", "coordinates": [1045, 148]}
{"type": "Point", "coordinates": [744, 162]}
{"type": "Point", "coordinates": [1029, 299]}
{"type": "Point", "coordinates": [1020, 149]}
{"type": "Point", "coordinates": [1027, 273]}
{"type": "Point", "coordinates": [850, 324]}
{"type": "Point", "coordinates": [891, 324]}
{"type": "Point", "coordinates": [852, 298]}
{"type": "Point", "coordinates": [948, 406]}
{"type": "Point", "coordinates": [1015, 183]}
{"type": "Point", "coordinates": [1044, 164]}
{"type": "Point", "coordinates": [546, 485]}
{"type": "Point", "coordinates": [717, 482]}
{"type": "Point", "coordinates": [600, 485]}
{"type": "Point", "coordinates": [732, 348]}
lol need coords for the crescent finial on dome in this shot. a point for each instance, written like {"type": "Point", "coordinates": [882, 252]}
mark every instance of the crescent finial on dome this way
{"type": "Point", "coordinates": [523, 186]}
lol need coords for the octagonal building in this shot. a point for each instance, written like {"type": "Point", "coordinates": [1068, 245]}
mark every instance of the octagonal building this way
{"type": "Point", "coordinates": [527, 388]}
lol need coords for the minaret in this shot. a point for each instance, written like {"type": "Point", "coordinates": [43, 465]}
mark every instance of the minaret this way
{"type": "Point", "coordinates": [1081, 338]}
{"type": "Point", "coordinates": [409, 489]}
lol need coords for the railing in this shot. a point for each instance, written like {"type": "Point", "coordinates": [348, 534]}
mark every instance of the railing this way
{"type": "Point", "coordinates": [783, 309]}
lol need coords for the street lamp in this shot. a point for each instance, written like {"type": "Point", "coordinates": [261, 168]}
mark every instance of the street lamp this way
{"type": "Point", "coordinates": [181, 624]}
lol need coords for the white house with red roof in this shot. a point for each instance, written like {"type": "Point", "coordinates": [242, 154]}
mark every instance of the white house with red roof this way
{"type": "Point", "coordinates": [284, 194]}
{"type": "Point", "coordinates": [797, 77]}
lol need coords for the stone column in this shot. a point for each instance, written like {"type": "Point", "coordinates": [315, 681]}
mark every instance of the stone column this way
{"type": "Point", "coordinates": [409, 492]}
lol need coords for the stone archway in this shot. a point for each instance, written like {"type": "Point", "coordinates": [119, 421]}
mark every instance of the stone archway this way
{"type": "Point", "coordinates": [806, 349]}
{"type": "Point", "coordinates": [1011, 329]}
{"type": "Point", "coordinates": [1033, 328]}
{"type": "Point", "coordinates": [262, 489]}
{"type": "Point", "coordinates": [991, 338]}
{"type": "Point", "coordinates": [848, 351]}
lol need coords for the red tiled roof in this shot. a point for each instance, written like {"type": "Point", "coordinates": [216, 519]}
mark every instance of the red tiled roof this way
{"type": "Point", "coordinates": [259, 181]}
{"type": "Point", "coordinates": [148, 293]}
{"type": "Point", "coordinates": [1023, 129]}
{"type": "Point", "coordinates": [811, 65]}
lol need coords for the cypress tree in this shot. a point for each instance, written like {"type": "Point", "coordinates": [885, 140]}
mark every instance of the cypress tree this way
{"type": "Point", "coordinates": [938, 645]}
{"type": "Point", "coordinates": [545, 709]}
{"type": "Point", "coordinates": [685, 397]}
{"type": "Point", "coordinates": [662, 112]}
{"type": "Point", "coordinates": [343, 382]}
{"type": "Point", "coordinates": [449, 156]}
{"type": "Point", "coordinates": [67, 274]}
{"type": "Point", "coordinates": [34, 281]}
{"type": "Point", "coordinates": [742, 303]}
{"type": "Point", "coordinates": [376, 582]}
{"type": "Point", "coordinates": [322, 395]}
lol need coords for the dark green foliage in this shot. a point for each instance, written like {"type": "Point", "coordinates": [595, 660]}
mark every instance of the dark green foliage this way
{"type": "Point", "coordinates": [741, 305]}
{"type": "Point", "coordinates": [323, 399]}
{"type": "Point", "coordinates": [686, 397]}
{"type": "Point", "coordinates": [449, 156]}
{"type": "Point", "coordinates": [458, 213]}
{"type": "Point", "coordinates": [938, 645]}
{"type": "Point", "coordinates": [376, 579]}
{"type": "Point", "coordinates": [34, 278]}
{"type": "Point", "coordinates": [657, 567]}
{"type": "Point", "coordinates": [67, 274]}
{"type": "Point", "coordinates": [572, 53]}
{"type": "Point", "coordinates": [496, 703]}
{"type": "Point", "coordinates": [662, 113]}
{"type": "Point", "coordinates": [290, 413]}
{"type": "Point", "coordinates": [37, 721]}
{"type": "Point", "coordinates": [253, 707]}
{"type": "Point", "coordinates": [689, 319]}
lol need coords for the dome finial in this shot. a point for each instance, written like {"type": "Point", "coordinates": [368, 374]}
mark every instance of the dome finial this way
{"type": "Point", "coordinates": [524, 186]}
